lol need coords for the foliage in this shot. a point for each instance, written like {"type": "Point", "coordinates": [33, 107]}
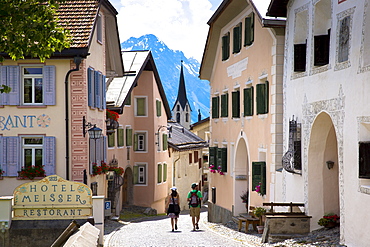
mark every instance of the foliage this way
{"type": "Point", "coordinates": [214, 170]}
{"type": "Point", "coordinates": [31, 172]}
{"type": "Point", "coordinates": [112, 115]}
{"type": "Point", "coordinates": [258, 189]}
{"type": "Point", "coordinates": [245, 196]}
{"type": "Point", "coordinates": [259, 211]}
{"type": "Point", "coordinates": [1, 172]}
{"type": "Point", "coordinates": [30, 28]}
{"type": "Point", "coordinates": [327, 218]}
{"type": "Point", "coordinates": [5, 89]}
{"type": "Point", "coordinates": [118, 170]}
{"type": "Point", "coordinates": [104, 168]}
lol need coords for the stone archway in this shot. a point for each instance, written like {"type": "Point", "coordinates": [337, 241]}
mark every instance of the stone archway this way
{"type": "Point", "coordinates": [128, 187]}
{"type": "Point", "coordinates": [240, 175]}
{"type": "Point", "coordinates": [323, 183]}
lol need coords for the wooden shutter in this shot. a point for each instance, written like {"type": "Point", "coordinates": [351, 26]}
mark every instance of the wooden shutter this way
{"type": "Point", "coordinates": [49, 155]}
{"type": "Point", "coordinates": [248, 101]}
{"type": "Point", "coordinates": [235, 97]}
{"type": "Point", "coordinates": [196, 158]}
{"type": "Point", "coordinates": [215, 107]}
{"type": "Point", "coordinates": [164, 172]}
{"type": "Point", "coordinates": [2, 153]}
{"type": "Point", "coordinates": [165, 142]}
{"type": "Point", "coordinates": [222, 159]}
{"type": "Point", "coordinates": [249, 30]}
{"type": "Point", "coordinates": [91, 87]}
{"type": "Point", "coordinates": [224, 105]}
{"type": "Point", "coordinates": [128, 137]}
{"type": "Point", "coordinates": [49, 82]}
{"type": "Point", "coordinates": [225, 46]}
{"type": "Point", "coordinates": [104, 98]}
{"type": "Point", "coordinates": [213, 156]}
{"type": "Point", "coordinates": [111, 139]}
{"type": "Point", "coordinates": [10, 76]}
{"type": "Point", "coordinates": [259, 175]}
{"type": "Point", "coordinates": [140, 107]}
{"type": "Point", "coordinates": [321, 49]}
{"type": "Point", "coordinates": [159, 173]}
{"type": "Point", "coordinates": [120, 137]}
{"type": "Point", "coordinates": [158, 108]}
{"type": "Point", "coordinates": [300, 57]}
{"type": "Point", "coordinates": [104, 149]}
{"type": "Point", "coordinates": [136, 142]}
{"type": "Point", "coordinates": [262, 98]}
{"type": "Point", "coordinates": [96, 89]}
{"type": "Point", "coordinates": [13, 154]}
{"type": "Point", "coordinates": [237, 35]}
{"type": "Point", "coordinates": [136, 174]}
{"type": "Point", "coordinates": [190, 158]}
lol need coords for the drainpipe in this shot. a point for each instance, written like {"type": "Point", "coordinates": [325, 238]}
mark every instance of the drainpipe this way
{"type": "Point", "coordinates": [77, 61]}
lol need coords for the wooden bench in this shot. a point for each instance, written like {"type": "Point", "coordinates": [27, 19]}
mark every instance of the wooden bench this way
{"type": "Point", "coordinates": [291, 205]}
{"type": "Point", "coordinates": [248, 220]}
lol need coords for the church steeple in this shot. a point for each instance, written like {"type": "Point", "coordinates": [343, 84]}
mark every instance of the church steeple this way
{"type": "Point", "coordinates": [181, 109]}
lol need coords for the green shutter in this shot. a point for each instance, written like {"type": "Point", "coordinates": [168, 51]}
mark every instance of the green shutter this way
{"type": "Point", "coordinates": [225, 46]}
{"type": "Point", "coordinates": [224, 105]}
{"type": "Point", "coordinates": [159, 173]}
{"type": "Point", "coordinates": [140, 107]}
{"type": "Point", "coordinates": [136, 143]}
{"type": "Point", "coordinates": [128, 99]}
{"type": "Point", "coordinates": [262, 98]}
{"type": "Point", "coordinates": [165, 143]}
{"type": "Point", "coordinates": [224, 159]}
{"type": "Point", "coordinates": [215, 107]}
{"type": "Point", "coordinates": [259, 175]}
{"type": "Point", "coordinates": [136, 174]}
{"type": "Point", "coordinates": [164, 172]}
{"type": "Point", "coordinates": [213, 156]}
{"type": "Point", "coordinates": [111, 139]}
{"type": "Point", "coordinates": [120, 137]}
{"type": "Point", "coordinates": [159, 108]}
{"type": "Point", "coordinates": [236, 104]}
{"type": "Point", "coordinates": [249, 30]}
{"type": "Point", "coordinates": [248, 101]}
{"type": "Point", "coordinates": [237, 38]}
{"type": "Point", "coordinates": [128, 137]}
{"type": "Point", "coordinates": [267, 96]}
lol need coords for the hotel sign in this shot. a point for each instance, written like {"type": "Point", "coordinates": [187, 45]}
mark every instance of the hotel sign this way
{"type": "Point", "coordinates": [52, 198]}
{"type": "Point", "coordinates": [25, 121]}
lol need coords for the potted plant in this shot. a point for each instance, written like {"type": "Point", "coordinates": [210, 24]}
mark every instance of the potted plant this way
{"type": "Point", "coordinates": [259, 212]}
{"type": "Point", "coordinates": [31, 172]}
{"type": "Point", "coordinates": [245, 196]}
{"type": "Point", "coordinates": [329, 220]}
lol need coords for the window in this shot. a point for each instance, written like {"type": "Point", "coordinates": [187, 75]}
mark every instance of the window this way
{"type": "Point", "coordinates": [190, 158]}
{"type": "Point", "coordinates": [259, 176]}
{"type": "Point", "coordinates": [343, 43]}
{"type": "Point", "coordinates": [140, 142]}
{"type": "Point", "coordinates": [178, 108]}
{"type": "Point", "coordinates": [321, 31]}
{"type": "Point", "coordinates": [99, 29]}
{"type": "Point", "coordinates": [178, 117]}
{"type": "Point", "coordinates": [215, 107]}
{"type": "Point", "coordinates": [225, 46]}
{"type": "Point", "coordinates": [31, 85]}
{"type": "Point", "coordinates": [224, 105]}
{"type": "Point", "coordinates": [300, 57]}
{"type": "Point", "coordinates": [222, 159]}
{"type": "Point", "coordinates": [300, 41]}
{"type": "Point", "coordinates": [158, 108]}
{"type": "Point", "coordinates": [140, 174]}
{"type": "Point", "coordinates": [262, 98]}
{"type": "Point", "coordinates": [111, 139]}
{"type": "Point", "coordinates": [196, 158]}
{"type": "Point", "coordinates": [18, 152]}
{"type": "Point", "coordinates": [128, 136]}
{"type": "Point", "coordinates": [140, 110]}
{"type": "Point", "coordinates": [96, 89]}
{"type": "Point", "coordinates": [249, 30]}
{"type": "Point", "coordinates": [97, 151]}
{"type": "Point", "coordinates": [364, 160]}
{"type": "Point", "coordinates": [213, 156]}
{"type": "Point", "coordinates": [235, 97]}
{"type": "Point", "coordinates": [248, 101]}
{"type": "Point", "coordinates": [187, 117]}
{"type": "Point", "coordinates": [120, 137]}
{"type": "Point", "coordinates": [237, 38]}
{"type": "Point", "coordinates": [164, 172]}
{"type": "Point", "coordinates": [159, 171]}
{"type": "Point", "coordinates": [321, 49]}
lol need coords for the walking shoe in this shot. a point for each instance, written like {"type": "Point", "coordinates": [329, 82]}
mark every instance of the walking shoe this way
{"type": "Point", "coordinates": [172, 230]}
{"type": "Point", "coordinates": [196, 226]}
{"type": "Point", "coordinates": [175, 226]}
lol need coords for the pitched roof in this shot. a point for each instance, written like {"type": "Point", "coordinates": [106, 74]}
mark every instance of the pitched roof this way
{"type": "Point", "coordinates": [181, 94]}
{"type": "Point", "coordinates": [181, 139]}
{"type": "Point", "coordinates": [120, 88]}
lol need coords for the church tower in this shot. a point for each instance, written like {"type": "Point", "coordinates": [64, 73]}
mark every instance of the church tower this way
{"type": "Point", "coordinates": [181, 110]}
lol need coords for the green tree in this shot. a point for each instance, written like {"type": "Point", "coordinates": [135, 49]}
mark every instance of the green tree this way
{"type": "Point", "coordinates": [30, 28]}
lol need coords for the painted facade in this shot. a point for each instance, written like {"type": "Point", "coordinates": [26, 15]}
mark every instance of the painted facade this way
{"type": "Point", "coordinates": [41, 119]}
{"type": "Point", "coordinates": [325, 86]}
{"type": "Point", "coordinates": [243, 61]}
{"type": "Point", "coordinates": [139, 144]}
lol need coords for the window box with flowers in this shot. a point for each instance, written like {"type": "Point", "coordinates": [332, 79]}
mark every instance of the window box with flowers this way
{"type": "Point", "coordinates": [329, 220]}
{"type": "Point", "coordinates": [213, 169]}
{"type": "Point", "coordinates": [31, 172]}
{"type": "Point", "coordinates": [102, 169]}
{"type": "Point", "coordinates": [118, 170]}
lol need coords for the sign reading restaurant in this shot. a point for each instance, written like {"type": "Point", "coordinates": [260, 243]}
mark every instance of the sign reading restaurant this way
{"type": "Point", "coordinates": [52, 198]}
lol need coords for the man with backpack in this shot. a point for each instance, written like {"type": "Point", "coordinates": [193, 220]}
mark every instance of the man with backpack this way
{"type": "Point", "coordinates": [194, 199]}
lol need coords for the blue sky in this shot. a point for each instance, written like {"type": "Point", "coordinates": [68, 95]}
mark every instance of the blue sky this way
{"type": "Point", "coordinates": [180, 24]}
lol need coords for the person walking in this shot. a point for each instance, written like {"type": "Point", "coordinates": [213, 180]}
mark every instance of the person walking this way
{"type": "Point", "coordinates": [173, 207]}
{"type": "Point", "coordinates": [194, 198]}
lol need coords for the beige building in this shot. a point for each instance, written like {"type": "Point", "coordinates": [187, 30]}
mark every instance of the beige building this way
{"type": "Point", "coordinates": [138, 144]}
{"type": "Point", "coordinates": [42, 118]}
{"type": "Point", "coordinates": [243, 60]}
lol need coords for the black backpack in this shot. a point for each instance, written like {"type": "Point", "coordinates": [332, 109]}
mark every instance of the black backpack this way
{"type": "Point", "coordinates": [194, 199]}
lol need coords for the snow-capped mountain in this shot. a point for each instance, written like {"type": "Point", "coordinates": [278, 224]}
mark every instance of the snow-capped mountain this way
{"type": "Point", "coordinates": [168, 63]}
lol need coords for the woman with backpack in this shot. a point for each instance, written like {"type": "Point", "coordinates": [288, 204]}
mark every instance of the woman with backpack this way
{"type": "Point", "coordinates": [173, 207]}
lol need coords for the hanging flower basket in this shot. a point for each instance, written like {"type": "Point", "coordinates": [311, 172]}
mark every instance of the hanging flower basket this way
{"type": "Point", "coordinates": [102, 169]}
{"type": "Point", "coordinates": [112, 115]}
{"type": "Point", "coordinates": [31, 172]}
{"type": "Point", "coordinates": [118, 170]}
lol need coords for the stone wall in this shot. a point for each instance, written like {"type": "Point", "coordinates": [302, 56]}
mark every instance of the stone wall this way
{"type": "Point", "coordinates": [218, 214]}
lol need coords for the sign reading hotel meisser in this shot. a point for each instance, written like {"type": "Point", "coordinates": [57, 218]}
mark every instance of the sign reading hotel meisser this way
{"type": "Point", "coordinates": [52, 198]}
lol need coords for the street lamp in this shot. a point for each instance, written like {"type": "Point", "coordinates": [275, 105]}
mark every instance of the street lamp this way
{"type": "Point", "coordinates": [94, 132]}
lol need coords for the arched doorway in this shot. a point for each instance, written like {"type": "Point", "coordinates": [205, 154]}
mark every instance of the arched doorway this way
{"type": "Point", "coordinates": [127, 188]}
{"type": "Point", "coordinates": [323, 180]}
{"type": "Point", "coordinates": [241, 176]}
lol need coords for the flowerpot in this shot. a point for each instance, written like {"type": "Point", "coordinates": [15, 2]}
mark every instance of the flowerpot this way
{"type": "Point", "coordinates": [260, 229]}
{"type": "Point", "coordinates": [331, 225]}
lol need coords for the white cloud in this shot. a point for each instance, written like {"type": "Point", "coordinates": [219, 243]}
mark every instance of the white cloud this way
{"type": "Point", "coordinates": [180, 24]}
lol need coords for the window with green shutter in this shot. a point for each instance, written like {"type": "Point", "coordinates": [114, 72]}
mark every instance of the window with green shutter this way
{"type": "Point", "coordinates": [237, 38]}
{"type": "Point", "coordinates": [222, 159]}
{"type": "Point", "coordinates": [213, 156]}
{"type": "Point", "coordinates": [215, 106]}
{"type": "Point", "coordinates": [128, 137]}
{"type": "Point", "coordinates": [158, 108]}
{"type": "Point", "coordinates": [262, 98]}
{"type": "Point", "coordinates": [259, 176]}
{"type": "Point", "coordinates": [111, 139]}
{"type": "Point", "coordinates": [225, 46]}
{"type": "Point", "coordinates": [140, 174]}
{"type": "Point", "coordinates": [120, 137]}
{"type": "Point", "coordinates": [165, 143]}
{"type": "Point", "coordinates": [224, 105]}
{"type": "Point", "coordinates": [140, 142]}
{"type": "Point", "coordinates": [159, 170]}
{"type": "Point", "coordinates": [140, 106]}
{"type": "Point", "coordinates": [249, 30]}
{"type": "Point", "coordinates": [235, 98]}
{"type": "Point", "coordinates": [248, 101]}
{"type": "Point", "coordinates": [164, 172]}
